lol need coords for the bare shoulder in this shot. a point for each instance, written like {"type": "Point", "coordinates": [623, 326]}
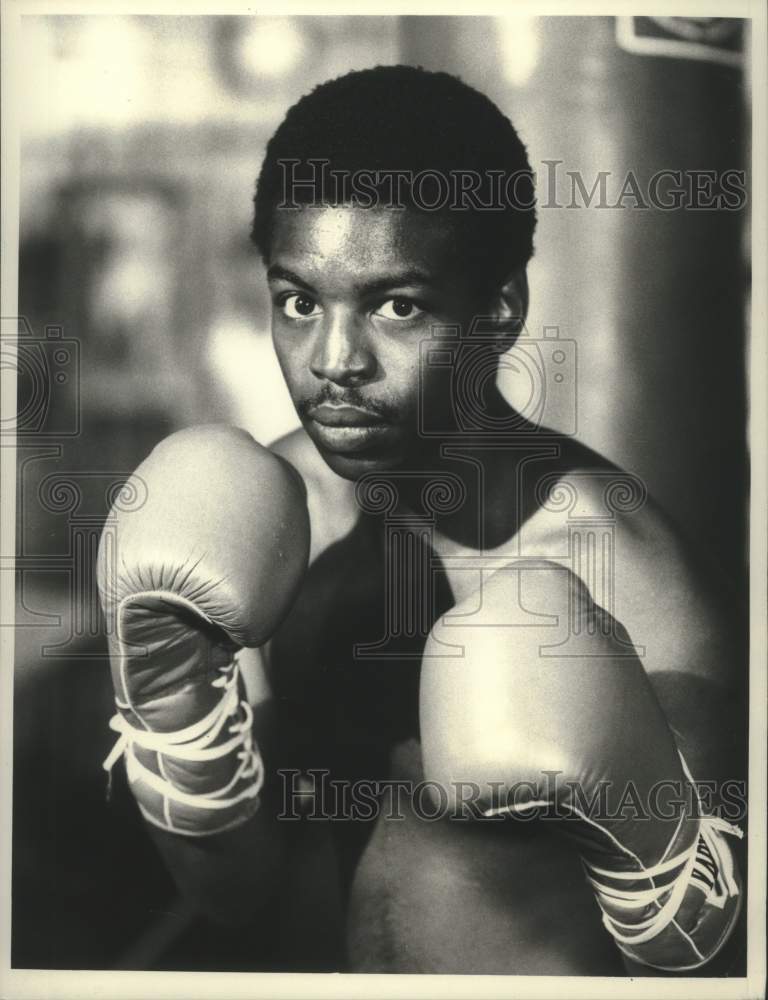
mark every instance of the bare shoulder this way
{"type": "Point", "coordinates": [331, 499]}
{"type": "Point", "coordinates": [639, 565]}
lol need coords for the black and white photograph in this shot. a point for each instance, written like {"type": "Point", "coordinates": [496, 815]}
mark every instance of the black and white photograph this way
{"type": "Point", "coordinates": [384, 528]}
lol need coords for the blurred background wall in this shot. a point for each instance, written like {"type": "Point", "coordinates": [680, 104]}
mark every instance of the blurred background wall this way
{"type": "Point", "coordinates": [142, 139]}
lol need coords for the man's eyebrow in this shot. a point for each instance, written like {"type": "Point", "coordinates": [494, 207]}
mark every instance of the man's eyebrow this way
{"type": "Point", "coordinates": [412, 276]}
{"type": "Point", "coordinates": [276, 271]}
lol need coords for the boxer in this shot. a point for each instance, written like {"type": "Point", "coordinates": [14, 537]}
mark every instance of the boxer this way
{"type": "Point", "coordinates": [373, 605]}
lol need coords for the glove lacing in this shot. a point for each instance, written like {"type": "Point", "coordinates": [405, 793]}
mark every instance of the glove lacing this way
{"type": "Point", "coordinates": [694, 862]}
{"type": "Point", "coordinates": [638, 899]}
{"type": "Point", "coordinates": [193, 743]}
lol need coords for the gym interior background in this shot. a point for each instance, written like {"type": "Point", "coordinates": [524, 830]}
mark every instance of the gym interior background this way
{"type": "Point", "coordinates": [144, 310]}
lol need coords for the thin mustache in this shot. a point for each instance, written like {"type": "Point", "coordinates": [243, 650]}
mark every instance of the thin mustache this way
{"type": "Point", "coordinates": [349, 397]}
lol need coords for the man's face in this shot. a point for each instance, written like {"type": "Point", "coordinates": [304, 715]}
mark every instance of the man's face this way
{"type": "Point", "coordinates": [355, 291]}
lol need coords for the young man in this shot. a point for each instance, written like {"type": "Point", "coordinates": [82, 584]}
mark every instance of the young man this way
{"type": "Point", "coordinates": [460, 620]}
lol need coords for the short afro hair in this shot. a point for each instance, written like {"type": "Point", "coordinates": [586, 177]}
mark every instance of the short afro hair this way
{"type": "Point", "coordinates": [406, 118]}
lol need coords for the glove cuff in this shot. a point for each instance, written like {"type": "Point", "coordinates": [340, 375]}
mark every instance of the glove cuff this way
{"type": "Point", "coordinates": [677, 914]}
{"type": "Point", "coordinates": [224, 735]}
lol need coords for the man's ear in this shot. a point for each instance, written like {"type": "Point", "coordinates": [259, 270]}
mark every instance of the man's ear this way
{"type": "Point", "coordinates": [509, 305]}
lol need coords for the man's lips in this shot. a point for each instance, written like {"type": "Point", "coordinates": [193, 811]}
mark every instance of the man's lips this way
{"type": "Point", "coordinates": [344, 416]}
{"type": "Point", "coordinates": [347, 429]}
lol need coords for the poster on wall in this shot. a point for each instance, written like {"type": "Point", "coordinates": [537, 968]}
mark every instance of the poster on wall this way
{"type": "Point", "coordinates": [713, 39]}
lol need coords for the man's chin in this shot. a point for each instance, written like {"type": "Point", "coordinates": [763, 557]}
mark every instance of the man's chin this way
{"type": "Point", "coordinates": [354, 465]}
{"type": "Point", "coordinates": [354, 455]}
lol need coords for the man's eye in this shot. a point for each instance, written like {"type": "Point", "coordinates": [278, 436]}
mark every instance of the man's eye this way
{"type": "Point", "coordinates": [299, 306]}
{"type": "Point", "coordinates": [399, 309]}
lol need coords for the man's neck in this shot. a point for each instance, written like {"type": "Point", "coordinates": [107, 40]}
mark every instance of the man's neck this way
{"type": "Point", "coordinates": [476, 499]}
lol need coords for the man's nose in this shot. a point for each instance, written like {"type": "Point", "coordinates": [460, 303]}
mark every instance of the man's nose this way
{"type": "Point", "coordinates": [341, 352]}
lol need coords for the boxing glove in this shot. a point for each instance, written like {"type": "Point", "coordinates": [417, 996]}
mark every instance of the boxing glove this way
{"type": "Point", "coordinates": [574, 733]}
{"type": "Point", "coordinates": [210, 562]}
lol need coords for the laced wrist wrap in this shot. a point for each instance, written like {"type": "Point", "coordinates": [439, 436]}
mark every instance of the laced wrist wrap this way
{"type": "Point", "coordinates": [707, 862]}
{"type": "Point", "coordinates": [194, 743]}
{"type": "Point", "coordinates": [705, 847]}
